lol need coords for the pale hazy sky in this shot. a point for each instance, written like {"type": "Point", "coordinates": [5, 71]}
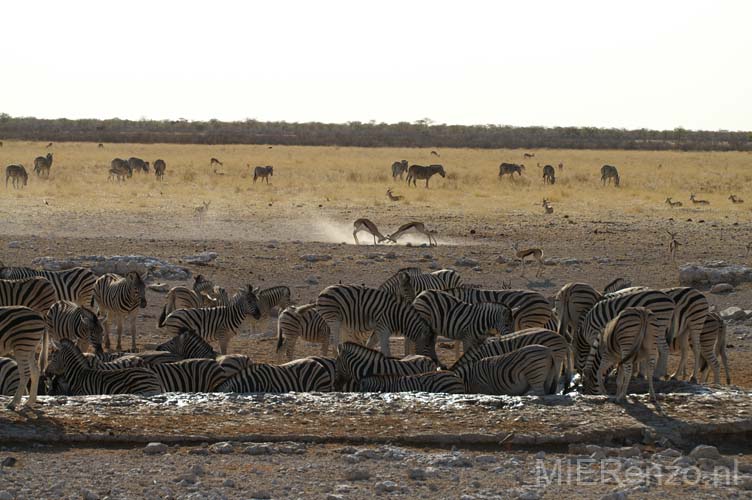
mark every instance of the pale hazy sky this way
{"type": "Point", "coordinates": [654, 64]}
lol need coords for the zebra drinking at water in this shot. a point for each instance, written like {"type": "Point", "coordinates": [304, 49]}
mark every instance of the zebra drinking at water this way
{"type": "Point", "coordinates": [571, 303]}
{"type": "Point", "coordinates": [66, 320]}
{"type": "Point", "coordinates": [120, 297]}
{"type": "Point", "coordinates": [420, 172]}
{"type": "Point", "coordinates": [187, 344]}
{"type": "Point", "coordinates": [302, 375]}
{"type": "Point", "coordinates": [263, 173]}
{"type": "Point", "coordinates": [399, 168]}
{"type": "Point", "coordinates": [18, 174]}
{"type": "Point", "coordinates": [75, 284]}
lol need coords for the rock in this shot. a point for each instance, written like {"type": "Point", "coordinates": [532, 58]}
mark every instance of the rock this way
{"type": "Point", "coordinates": [630, 452]}
{"type": "Point", "coordinates": [14, 244]}
{"type": "Point", "coordinates": [540, 455]}
{"type": "Point", "coordinates": [333, 496]}
{"type": "Point", "coordinates": [529, 495]}
{"type": "Point", "coordinates": [159, 287]}
{"type": "Point", "coordinates": [466, 262]}
{"type": "Point", "coordinates": [434, 265]}
{"type": "Point", "coordinates": [669, 453]}
{"type": "Point", "coordinates": [315, 257]}
{"type": "Point", "coordinates": [370, 454]}
{"type": "Point", "coordinates": [8, 462]}
{"type": "Point", "coordinates": [714, 272]}
{"type": "Point", "coordinates": [705, 451]}
{"type": "Point", "coordinates": [312, 280]}
{"type": "Point", "coordinates": [733, 313]}
{"type": "Point", "coordinates": [261, 495]}
{"type": "Point", "coordinates": [683, 462]}
{"type": "Point", "coordinates": [615, 495]}
{"type": "Point", "coordinates": [257, 449]}
{"type": "Point", "coordinates": [357, 475]}
{"type": "Point", "coordinates": [120, 264]}
{"type": "Point", "coordinates": [200, 259]}
{"type": "Point", "coordinates": [197, 469]}
{"type": "Point", "coordinates": [198, 451]}
{"type": "Point", "coordinates": [485, 459]}
{"type": "Point", "coordinates": [89, 495]}
{"type": "Point", "coordinates": [417, 474]}
{"type": "Point", "coordinates": [222, 448]}
{"type": "Point", "coordinates": [351, 459]}
{"type": "Point", "coordinates": [185, 479]}
{"type": "Point", "coordinates": [501, 259]}
{"type": "Point", "coordinates": [155, 448]}
{"type": "Point", "coordinates": [5, 495]}
{"type": "Point", "coordinates": [228, 483]}
{"type": "Point", "coordinates": [569, 261]}
{"type": "Point", "coordinates": [386, 487]}
{"type": "Point", "coordinates": [721, 288]}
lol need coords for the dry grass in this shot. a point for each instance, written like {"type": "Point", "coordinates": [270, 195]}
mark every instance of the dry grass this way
{"type": "Point", "coordinates": [359, 177]}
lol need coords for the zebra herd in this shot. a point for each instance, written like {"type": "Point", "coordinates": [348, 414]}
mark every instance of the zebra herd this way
{"type": "Point", "coordinates": [513, 341]}
{"type": "Point", "coordinates": [121, 169]}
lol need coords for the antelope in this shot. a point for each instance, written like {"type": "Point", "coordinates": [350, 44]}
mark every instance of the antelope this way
{"type": "Point", "coordinates": [672, 203]}
{"type": "Point", "coordinates": [200, 210]}
{"type": "Point", "coordinates": [547, 206]}
{"type": "Point", "coordinates": [393, 196]}
{"type": "Point", "coordinates": [535, 253]}
{"type": "Point", "coordinates": [435, 153]}
{"type": "Point", "coordinates": [561, 167]}
{"type": "Point", "coordinates": [528, 155]}
{"type": "Point", "coordinates": [49, 145]}
{"type": "Point", "coordinates": [215, 161]}
{"type": "Point", "coordinates": [418, 227]}
{"type": "Point", "coordinates": [368, 226]}
{"type": "Point", "coordinates": [672, 246]}
{"type": "Point", "coordinates": [734, 199]}
{"type": "Point", "coordinates": [698, 202]}
{"type": "Point", "coordinates": [100, 145]}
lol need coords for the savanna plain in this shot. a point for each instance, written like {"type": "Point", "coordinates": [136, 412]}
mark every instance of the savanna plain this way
{"type": "Point", "coordinates": [261, 231]}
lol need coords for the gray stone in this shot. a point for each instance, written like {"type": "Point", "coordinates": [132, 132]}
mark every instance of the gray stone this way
{"type": "Point", "coordinates": [733, 314]}
{"type": "Point", "coordinates": [155, 448]}
{"type": "Point", "coordinates": [615, 495]}
{"type": "Point", "coordinates": [228, 483]}
{"type": "Point", "coordinates": [200, 259]}
{"type": "Point", "coordinates": [5, 495]}
{"type": "Point", "coordinates": [386, 487]}
{"type": "Point", "coordinates": [197, 469]}
{"type": "Point", "coordinates": [14, 244]}
{"type": "Point", "coordinates": [714, 272]}
{"type": "Point", "coordinates": [257, 449]}
{"type": "Point", "coordinates": [721, 288]}
{"type": "Point", "coordinates": [315, 257]}
{"type": "Point", "coordinates": [334, 496]}
{"type": "Point", "coordinates": [669, 453]}
{"type": "Point", "coordinates": [89, 495]}
{"type": "Point", "coordinates": [312, 280]}
{"type": "Point", "coordinates": [367, 453]}
{"type": "Point", "coordinates": [540, 455]}
{"type": "Point", "coordinates": [357, 474]}
{"type": "Point", "coordinates": [466, 262]}
{"type": "Point", "coordinates": [120, 264]}
{"type": "Point", "coordinates": [434, 265]}
{"type": "Point", "coordinates": [198, 451]}
{"type": "Point", "coordinates": [529, 495]}
{"type": "Point", "coordinates": [485, 459]}
{"type": "Point", "coordinates": [705, 451]}
{"type": "Point", "coordinates": [351, 459]}
{"type": "Point", "coordinates": [683, 462]}
{"type": "Point", "coordinates": [159, 287]}
{"type": "Point", "coordinates": [222, 448]}
{"type": "Point", "coordinates": [630, 452]}
{"type": "Point", "coordinates": [417, 474]}
{"type": "Point", "coordinates": [261, 495]}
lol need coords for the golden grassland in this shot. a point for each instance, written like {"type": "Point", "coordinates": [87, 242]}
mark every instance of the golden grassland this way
{"type": "Point", "coordinates": [353, 177]}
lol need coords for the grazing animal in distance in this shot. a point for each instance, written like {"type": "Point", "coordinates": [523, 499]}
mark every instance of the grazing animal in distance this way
{"type": "Point", "coordinates": [735, 199]}
{"type": "Point", "coordinates": [49, 145]}
{"type": "Point", "coordinates": [511, 169]}
{"type": "Point", "coordinates": [393, 196]}
{"type": "Point", "coordinates": [263, 173]}
{"type": "Point", "coordinates": [528, 155]}
{"type": "Point", "coordinates": [138, 165]}
{"type": "Point", "coordinates": [416, 172]}
{"type": "Point", "coordinates": [120, 170]}
{"type": "Point", "coordinates": [672, 246]}
{"type": "Point", "coordinates": [535, 253]}
{"type": "Point", "coordinates": [418, 227]}
{"type": "Point", "coordinates": [399, 168]}
{"type": "Point", "coordinates": [696, 201]}
{"type": "Point", "coordinates": [42, 165]}
{"type": "Point", "coordinates": [435, 153]}
{"type": "Point", "coordinates": [215, 161]}
{"type": "Point", "coordinates": [547, 206]}
{"type": "Point", "coordinates": [672, 203]}
{"type": "Point", "coordinates": [608, 173]}
{"type": "Point", "coordinates": [18, 174]}
{"type": "Point", "coordinates": [159, 169]}
{"type": "Point", "coordinates": [1, 144]}
{"type": "Point", "coordinates": [100, 145]}
{"type": "Point", "coordinates": [561, 167]}
{"type": "Point", "coordinates": [201, 210]}
{"type": "Point", "coordinates": [549, 175]}
{"type": "Point", "coordinates": [370, 227]}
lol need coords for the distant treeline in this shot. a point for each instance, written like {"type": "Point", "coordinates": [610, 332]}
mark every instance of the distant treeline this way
{"type": "Point", "coordinates": [422, 133]}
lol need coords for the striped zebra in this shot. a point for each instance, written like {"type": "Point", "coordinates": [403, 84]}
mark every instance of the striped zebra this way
{"type": "Point", "coordinates": [18, 174]}
{"type": "Point", "coordinates": [277, 297]}
{"type": "Point", "coordinates": [75, 284]}
{"type": "Point", "coordinates": [517, 340]}
{"type": "Point", "coordinates": [232, 364]}
{"type": "Point", "coordinates": [180, 297]}
{"type": "Point", "coordinates": [119, 297]}
{"type": "Point", "coordinates": [42, 165]}
{"type": "Point", "coordinates": [529, 309]}
{"type": "Point", "coordinates": [138, 165]}
{"type": "Point", "coordinates": [713, 346]}
{"type": "Point", "coordinates": [22, 330]}
{"type": "Point", "coordinates": [454, 319]}
{"type": "Point", "coordinates": [216, 323]}
{"type": "Point", "coordinates": [120, 170]}
{"type": "Point", "coordinates": [66, 320]}
{"type": "Point", "coordinates": [420, 172]}
{"type": "Point", "coordinates": [204, 287]}
{"type": "Point", "coordinates": [408, 282]}
{"type": "Point", "coordinates": [393, 283]}
{"type": "Point", "coordinates": [127, 361]}
{"type": "Point", "coordinates": [159, 169]}
{"type": "Point", "coordinates": [35, 293]}
{"type": "Point", "coordinates": [69, 362]}
{"type": "Point", "coordinates": [549, 175]}
{"type": "Point", "coordinates": [302, 375]}
{"type": "Point", "coordinates": [687, 325]}
{"type": "Point", "coordinates": [435, 382]}
{"type": "Point", "coordinates": [263, 173]}
{"type": "Point", "coordinates": [616, 285]}
{"type": "Point", "coordinates": [9, 378]}
{"type": "Point", "coordinates": [608, 173]}
{"type": "Point", "coordinates": [571, 303]}
{"type": "Point", "coordinates": [361, 310]}
{"type": "Point", "coordinates": [510, 169]}
{"type": "Point", "coordinates": [355, 362]}
{"type": "Point", "coordinates": [531, 368]}
{"type": "Point", "coordinates": [631, 337]}
{"type": "Point", "coordinates": [399, 168]}
{"type": "Point", "coordinates": [187, 345]}
{"type": "Point", "coordinates": [301, 322]}
{"type": "Point", "coordinates": [592, 324]}
{"type": "Point", "coordinates": [190, 375]}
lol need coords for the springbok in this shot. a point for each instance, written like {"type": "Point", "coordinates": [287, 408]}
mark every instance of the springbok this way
{"type": "Point", "coordinates": [215, 161]}
{"type": "Point", "coordinates": [201, 210]}
{"type": "Point", "coordinates": [528, 155]}
{"type": "Point", "coordinates": [49, 145]}
{"type": "Point", "coordinates": [370, 227]}
{"type": "Point", "coordinates": [435, 153]}
{"type": "Point", "coordinates": [535, 253]}
{"type": "Point", "coordinates": [696, 201]}
{"type": "Point", "coordinates": [418, 227]}
{"type": "Point", "coordinates": [392, 196]}
{"type": "Point", "coordinates": [672, 203]}
{"type": "Point", "coordinates": [672, 246]}
{"type": "Point", "coordinates": [735, 199]}
{"type": "Point", "coordinates": [547, 206]}
{"type": "Point", "coordinates": [561, 167]}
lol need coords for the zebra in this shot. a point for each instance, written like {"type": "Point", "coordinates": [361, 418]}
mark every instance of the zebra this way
{"type": "Point", "coordinates": [393, 284]}
{"type": "Point", "coordinates": [418, 227]}
{"type": "Point", "coordinates": [18, 174]}
{"type": "Point", "coordinates": [119, 170]}
{"type": "Point", "coordinates": [305, 322]}
{"type": "Point", "coordinates": [571, 303]}
{"type": "Point", "coordinates": [75, 284]}
{"type": "Point", "coordinates": [529, 309]}
{"type": "Point", "coordinates": [21, 332]}
{"type": "Point", "coordinates": [35, 293]}
{"type": "Point", "coordinates": [277, 297]}
{"type": "Point", "coordinates": [216, 323]}
{"type": "Point", "coordinates": [138, 165]}
{"type": "Point", "coordinates": [470, 323]}
{"type": "Point", "coordinates": [632, 336]}
{"type": "Point", "coordinates": [510, 169]}
{"type": "Point", "coordinates": [530, 368]}
{"type": "Point", "coordinates": [406, 283]}
{"type": "Point", "coordinates": [9, 378]}
{"type": "Point", "coordinates": [119, 297]}
{"type": "Point", "coordinates": [399, 168]}
{"type": "Point", "coordinates": [616, 285]}
{"type": "Point", "coordinates": [687, 324]}
{"type": "Point", "coordinates": [368, 226]}
{"type": "Point", "coordinates": [159, 169]}
{"type": "Point", "coordinates": [434, 382]}
{"type": "Point", "coordinates": [190, 375]}
{"type": "Point", "coordinates": [84, 381]}
{"type": "Point", "coordinates": [549, 175]}
{"type": "Point", "coordinates": [609, 172]}
{"type": "Point", "coordinates": [355, 362]}
{"type": "Point", "coordinates": [302, 375]}
{"type": "Point", "coordinates": [512, 342]}
{"type": "Point", "coordinates": [263, 173]}
{"type": "Point", "coordinates": [421, 172]}
{"type": "Point", "coordinates": [180, 297]}
{"type": "Point", "coordinates": [188, 345]}
{"type": "Point", "coordinates": [42, 165]}
{"type": "Point", "coordinates": [713, 346]}
{"type": "Point", "coordinates": [67, 320]}
{"type": "Point", "coordinates": [204, 287]}
{"type": "Point", "coordinates": [232, 364]}
{"type": "Point", "coordinates": [592, 324]}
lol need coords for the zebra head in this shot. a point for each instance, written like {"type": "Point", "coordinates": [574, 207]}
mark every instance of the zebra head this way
{"type": "Point", "coordinates": [137, 282]}
{"type": "Point", "coordinates": [92, 327]}
{"type": "Point", "coordinates": [250, 302]}
{"type": "Point", "coordinates": [440, 170]}
{"type": "Point", "coordinates": [504, 319]}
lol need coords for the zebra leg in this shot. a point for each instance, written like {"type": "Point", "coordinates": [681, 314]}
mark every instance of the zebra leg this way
{"type": "Point", "coordinates": [696, 351]}
{"type": "Point", "coordinates": [662, 367]}
{"type": "Point", "coordinates": [724, 357]}
{"type": "Point", "coordinates": [335, 330]}
{"type": "Point", "coordinates": [133, 331]}
{"type": "Point", "coordinates": [355, 236]}
{"type": "Point", "coordinates": [106, 325]}
{"type": "Point", "coordinates": [383, 335]}
{"type": "Point", "coordinates": [681, 368]}
{"type": "Point", "coordinates": [23, 373]}
{"type": "Point", "coordinates": [325, 346]}
{"type": "Point", "coordinates": [34, 368]}
{"type": "Point", "coordinates": [120, 325]}
{"type": "Point", "coordinates": [623, 385]}
{"type": "Point", "coordinates": [713, 363]}
{"type": "Point", "coordinates": [409, 346]}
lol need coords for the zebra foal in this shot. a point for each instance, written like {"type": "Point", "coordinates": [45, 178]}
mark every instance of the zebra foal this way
{"type": "Point", "coordinates": [399, 168]}
{"type": "Point", "coordinates": [18, 174]}
{"type": "Point", "coordinates": [21, 331]}
{"type": "Point", "coordinates": [186, 345]}
{"type": "Point", "coordinates": [119, 297]}
{"type": "Point", "coordinates": [301, 322]}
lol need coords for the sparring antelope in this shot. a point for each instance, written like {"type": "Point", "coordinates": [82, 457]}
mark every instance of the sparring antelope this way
{"type": "Point", "coordinates": [535, 253]}
{"type": "Point", "coordinates": [418, 227]}
{"type": "Point", "coordinates": [696, 201]}
{"type": "Point", "coordinates": [370, 227]}
{"type": "Point", "coordinates": [672, 203]}
{"type": "Point", "coordinates": [393, 196]}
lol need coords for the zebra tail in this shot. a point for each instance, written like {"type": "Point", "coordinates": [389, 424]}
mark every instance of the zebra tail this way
{"type": "Point", "coordinates": [632, 354]}
{"type": "Point", "coordinates": [45, 350]}
{"type": "Point", "coordinates": [160, 322]}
